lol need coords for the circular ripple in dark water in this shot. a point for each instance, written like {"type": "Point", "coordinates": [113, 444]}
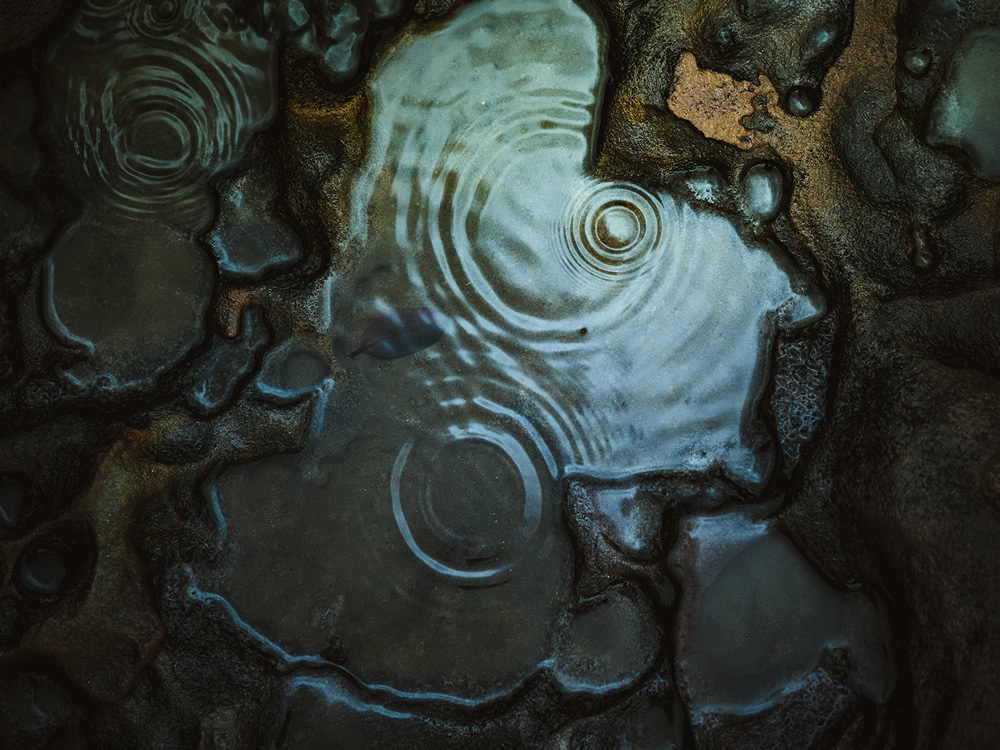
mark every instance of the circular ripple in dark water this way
{"type": "Point", "coordinates": [467, 505]}
{"type": "Point", "coordinates": [614, 231]}
{"type": "Point", "coordinates": [157, 96]}
{"type": "Point", "coordinates": [138, 18]}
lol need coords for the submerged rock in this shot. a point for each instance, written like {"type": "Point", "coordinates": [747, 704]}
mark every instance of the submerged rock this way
{"type": "Point", "coordinates": [212, 379]}
{"type": "Point", "coordinates": [612, 640]}
{"type": "Point", "coordinates": [133, 295]}
{"type": "Point", "coordinates": [290, 371]}
{"type": "Point", "coordinates": [249, 238]}
{"type": "Point", "coordinates": [966, 112]}
{"type": "Point", "coordinates": [755, 620]}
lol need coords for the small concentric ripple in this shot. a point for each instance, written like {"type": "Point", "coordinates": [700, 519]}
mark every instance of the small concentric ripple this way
{"type": "Point", "coordinates": [165, 96]}
{"type": "Point", "coordinates": [614, 231]}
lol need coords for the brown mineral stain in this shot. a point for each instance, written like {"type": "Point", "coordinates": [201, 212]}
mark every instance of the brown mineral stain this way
{"type": "Point", "coordinates": [715, 102]}
{"type": "Point", "coordinates": [825, 202]}
{"type": "Point", "coordinates": [632, 107]}
{"type": "Point", "coordinates": [229, 310]}
{"type": "Point", "coordinates": [327, 140]}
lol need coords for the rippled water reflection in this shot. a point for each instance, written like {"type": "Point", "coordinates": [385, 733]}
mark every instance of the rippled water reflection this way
{"type": "Point", "coordinates": [626, 325]}
{"type": "Point", "coordinates": [168, 95]}
{"type": "Point", "coordinates": [149, 101]}
{"type": "Point", "coordinates": [589, 327]}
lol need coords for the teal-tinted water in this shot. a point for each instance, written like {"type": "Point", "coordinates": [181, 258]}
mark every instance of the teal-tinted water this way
{"type": "Point", "coordinates": [628, 327]}
{"type": "Point", "coordinates": [148, 101]}
{"type": "Point", "coordinates": [589, 327]}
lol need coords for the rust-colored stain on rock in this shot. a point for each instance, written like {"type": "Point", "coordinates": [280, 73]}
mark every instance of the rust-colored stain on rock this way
{"type": "Point", "coordinates": [715, 103]}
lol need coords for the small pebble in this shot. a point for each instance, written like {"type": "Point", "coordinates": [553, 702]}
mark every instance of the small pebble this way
{"type": "Point", "coordinates": [43, 571]}
{"type": "Point", "coordinates": [822, 38]}
{"type": "Point", "coordinates": [799, 102]}
{"type": "Point", "coordinates": [763, 190]}
{"type": "Point", "coordinates": [11, 499]}
{"type": "Point", "coordinates": [917, 61]}
{"type": "Point", "coordinates": [922, 259]}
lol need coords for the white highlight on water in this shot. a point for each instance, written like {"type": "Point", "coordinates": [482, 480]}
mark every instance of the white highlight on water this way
{"type": "Point", "coordinates": [633, 329]}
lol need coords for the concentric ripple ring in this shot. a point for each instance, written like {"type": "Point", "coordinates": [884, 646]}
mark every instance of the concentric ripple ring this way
{"type": "Point", "coordinates": [506, 550]}
{"type": "Point", "coordinates": [614, 230]}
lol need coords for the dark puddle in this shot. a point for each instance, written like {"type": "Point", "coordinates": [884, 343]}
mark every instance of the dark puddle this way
{"type": "Point", "coordinates": [579, 326]}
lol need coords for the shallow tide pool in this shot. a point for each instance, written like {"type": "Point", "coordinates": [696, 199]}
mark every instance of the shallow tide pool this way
{"type": "Point", "coordinates": [512, 320]}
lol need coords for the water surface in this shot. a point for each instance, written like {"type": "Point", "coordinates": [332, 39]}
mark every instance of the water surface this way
{"type": "Point", "coordinates": [589, 327]}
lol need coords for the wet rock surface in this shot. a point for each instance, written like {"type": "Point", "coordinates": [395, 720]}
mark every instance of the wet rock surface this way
{"type": "Point", "coordinates": [499, 374]}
